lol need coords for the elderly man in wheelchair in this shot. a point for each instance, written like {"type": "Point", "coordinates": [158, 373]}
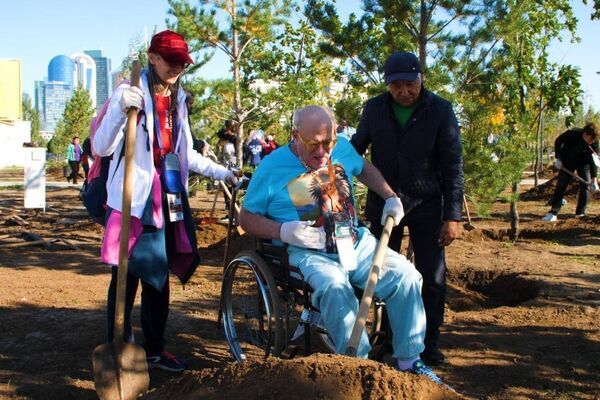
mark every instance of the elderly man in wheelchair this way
{"type": "Point", "coordinates": [302, 195]}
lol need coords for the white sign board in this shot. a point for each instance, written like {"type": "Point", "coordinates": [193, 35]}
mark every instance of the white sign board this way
{"type": "Point", "coordinates": [35, 177]}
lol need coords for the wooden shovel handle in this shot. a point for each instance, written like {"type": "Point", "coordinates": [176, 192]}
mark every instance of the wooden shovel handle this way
{"type": "Point", "coordinates": [126, 209]}
{"type": "Point", "coordinates": [367, 297]}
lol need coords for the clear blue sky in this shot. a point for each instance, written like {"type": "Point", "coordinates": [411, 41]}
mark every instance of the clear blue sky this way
{"type": "Point", "coordinates": [38, 30]}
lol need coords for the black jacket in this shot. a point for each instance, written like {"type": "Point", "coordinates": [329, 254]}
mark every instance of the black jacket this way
{"type": "Point", "coordinates": [422, 161]}
{"type": "Point", "coordinates": [573, 151]}
{"type": "Point", "coordinates": [223, 134]}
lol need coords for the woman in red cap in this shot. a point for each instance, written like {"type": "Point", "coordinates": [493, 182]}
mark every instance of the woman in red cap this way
{"type": "Point", "coordinates": [162, 237]}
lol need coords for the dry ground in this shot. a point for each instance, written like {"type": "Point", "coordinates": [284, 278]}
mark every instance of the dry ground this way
{"type": "Point", "coordinates": [522, 317]}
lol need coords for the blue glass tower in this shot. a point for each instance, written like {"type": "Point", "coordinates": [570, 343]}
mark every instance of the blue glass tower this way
{"type": "Point", "coordinates": [61, 69]}
{"type": "Point", "coordinates": [58, 90]}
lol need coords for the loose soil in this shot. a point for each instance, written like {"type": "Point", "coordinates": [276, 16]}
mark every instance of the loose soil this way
{"type": "Point", "coordinates": [522, 317]}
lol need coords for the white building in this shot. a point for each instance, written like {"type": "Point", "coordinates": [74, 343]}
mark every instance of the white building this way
{"type": "Point", "coordinates": [85, 74]}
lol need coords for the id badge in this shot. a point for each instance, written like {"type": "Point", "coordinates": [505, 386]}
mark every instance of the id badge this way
{"type": "Point", "coordinates": [175, 207]}
{"type": "Point", "coordinates": [344, 244]}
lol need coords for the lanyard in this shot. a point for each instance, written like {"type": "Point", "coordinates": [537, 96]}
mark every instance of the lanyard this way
{"type": "Point", "coordinates": [169, 121]}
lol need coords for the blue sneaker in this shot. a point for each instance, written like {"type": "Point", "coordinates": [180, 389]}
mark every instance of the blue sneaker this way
{"type": "Point", "coordinates": [419, 368]}
{"type": "Point", "coordinates": [166, 361]}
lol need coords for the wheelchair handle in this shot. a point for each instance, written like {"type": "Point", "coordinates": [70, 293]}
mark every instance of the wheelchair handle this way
{"type": "Point", "coordinates": [367, 297]}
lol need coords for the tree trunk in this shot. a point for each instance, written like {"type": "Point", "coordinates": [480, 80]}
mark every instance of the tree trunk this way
{"type": "Point", "coordinates": [422, 39]}
{"type": "Point", "coordinates": [237, 97]}
{"type": "Point", "coordinates": [514, 213]}
{"type": "Point", "coordinates": [539, 155]}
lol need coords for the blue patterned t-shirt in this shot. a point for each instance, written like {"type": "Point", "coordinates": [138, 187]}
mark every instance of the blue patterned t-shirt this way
{"type": "Point", "coordinates": [282, 189]}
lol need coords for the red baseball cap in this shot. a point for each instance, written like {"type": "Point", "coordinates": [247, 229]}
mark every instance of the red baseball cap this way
{"type": "Point", "coordinates": [171, 46]}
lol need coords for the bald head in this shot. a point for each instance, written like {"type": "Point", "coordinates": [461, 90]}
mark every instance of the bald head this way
{"type": "Point", "coordinates": [313, 117]}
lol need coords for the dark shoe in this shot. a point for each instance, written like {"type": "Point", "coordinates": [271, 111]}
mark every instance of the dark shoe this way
{"type": "Point", "coordinates": [433, 356]}
{"type": "Point", "coordinates": [166, 361]}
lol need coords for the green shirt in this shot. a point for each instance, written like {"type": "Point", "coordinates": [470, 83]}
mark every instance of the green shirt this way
{"type": "Point", "coordinates": [402, 113]}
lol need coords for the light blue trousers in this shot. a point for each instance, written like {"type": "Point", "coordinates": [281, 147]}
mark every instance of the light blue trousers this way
{"type": "Point", "coordinates": [399, 285]}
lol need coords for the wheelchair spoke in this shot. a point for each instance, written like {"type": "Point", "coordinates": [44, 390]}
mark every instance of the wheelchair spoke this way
{"type": "Point", "coordinates": [249, 318]}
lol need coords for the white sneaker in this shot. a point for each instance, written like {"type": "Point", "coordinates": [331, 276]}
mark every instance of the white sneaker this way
{"type": "Point", "coordinates": [579, 215]}
{"type": "Point", "coordinates": [549, 217]}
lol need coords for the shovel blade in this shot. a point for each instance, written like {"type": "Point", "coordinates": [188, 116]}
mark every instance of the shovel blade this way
{"type": "Point", "coordinates": [120, 371]}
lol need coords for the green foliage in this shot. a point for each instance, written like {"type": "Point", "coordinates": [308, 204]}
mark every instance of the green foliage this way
{"type": "Point", "coordinates": [349, 108]}
{"type": "Point", "coordinates": [423, 27]}
{"type": "Point", "coordinates": [246, 24]}
{"type": "Point", "coordinates": [302, 74]}
{"type": "Point", "coordinates": [596, 13]}
{"type": "Point", "coordinates": [31, 115]}
{"type": "Point", "coordinates": [75, 121]}
{"type": "Point", "coordinates": [507, 89]}
{"type": "Point", "coordinates": [211, 107]}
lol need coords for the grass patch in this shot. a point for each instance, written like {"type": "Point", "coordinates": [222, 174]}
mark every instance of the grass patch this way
{"type": "Point", "coordinates": [587, 259]}
{"type": "Point", "coordinates": [13, 187]}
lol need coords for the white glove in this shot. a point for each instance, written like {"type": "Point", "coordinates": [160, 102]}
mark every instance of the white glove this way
{"type": "Point", "coordinates": [302, 234]}
{"type": "Point", "coordinates": [132, 97]}
{"type": "Point", "coordinates": [232, 179]}
{"type": "Point", "coordinates": [594, 186]}
{"type": "Point", "coordinates": [393, 206]}
{"type": "Point", "coordinates": [558, 164]}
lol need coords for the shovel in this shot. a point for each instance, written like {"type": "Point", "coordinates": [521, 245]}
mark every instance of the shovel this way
{"type": "Point", "coordinates": [580, 179]}
{"type": "Point", "coordinates": [367, 297]}
{"type": "Point", "coordinates": [120, 369]}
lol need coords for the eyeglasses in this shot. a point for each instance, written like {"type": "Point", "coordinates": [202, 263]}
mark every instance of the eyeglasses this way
{"type": "Point", "coordinates": [312, 145]}
{"type": "Point", "coordinates": [183, 66]}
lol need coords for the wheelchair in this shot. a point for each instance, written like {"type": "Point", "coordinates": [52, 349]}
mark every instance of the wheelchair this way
{"type": "Point", "coordinates": [265, 306]}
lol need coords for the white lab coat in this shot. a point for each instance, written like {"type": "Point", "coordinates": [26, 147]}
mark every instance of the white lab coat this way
{"type": "Point", "coordinates": [109, 139]}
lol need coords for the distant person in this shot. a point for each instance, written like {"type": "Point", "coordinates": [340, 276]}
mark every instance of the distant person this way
{"type": "Point", "coordinates": [86, 156]}
{"type": "Point", "coordinates": [227, 133]}
{"type": "Point", "coordinates": [344, 130]}
{"type": "Point", "coordinates": [269, 146]}
{"type": "Point", "coordinates": [227, 143]}
{"type": "Point", "coordinates": [162, 232]}
{"type": "Point", "coordinates": [255, 148]}
{"type": "Point", "coordinates": [74, 154]}
{"type": "Point", "coordinates": [576, 150]}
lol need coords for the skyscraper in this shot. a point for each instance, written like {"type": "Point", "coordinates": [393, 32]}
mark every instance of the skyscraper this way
{"type": "Point", "coordinates": [85, 74]}
{"type": "Point", "coordinates": [102, 76]}
{"type": "Point", "coordinates": [57, 94]}
{"type": "Point", "coordinates": [58, 89]}
{"type": "Point", "coordinates": [38, 98]}
{"type": "Point", "coordinates": [60, 69]}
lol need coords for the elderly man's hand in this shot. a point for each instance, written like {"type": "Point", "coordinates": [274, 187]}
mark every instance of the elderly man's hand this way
{"type": "Point", "coordinates": [393, 207]}
{"type": "Point", "coordinates": [448, 233]}
{"type": "Point", "coordinates": [302, 234]}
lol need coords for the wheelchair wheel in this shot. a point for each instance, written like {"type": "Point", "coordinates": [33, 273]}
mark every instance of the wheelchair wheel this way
{"type": "Point", "coordinates": [250, 307]}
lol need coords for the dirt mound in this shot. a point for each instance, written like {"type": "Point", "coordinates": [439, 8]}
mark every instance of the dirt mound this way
{"type": "Point", "coordinates": [320, 376]}
{"type": "Point", "coordinates": [566, 229]}
{"type": "Point", "coordinates": [547, 173]}
{"type": "Point", "coordinates": [546, 190]}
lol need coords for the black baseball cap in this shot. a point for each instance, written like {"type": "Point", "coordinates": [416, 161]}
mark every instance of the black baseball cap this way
{"type": "Point", "coordinates": [401, 66]}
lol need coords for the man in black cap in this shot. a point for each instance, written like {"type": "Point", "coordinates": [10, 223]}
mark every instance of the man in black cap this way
{"type": "Point", "coordinates": [415, 143]}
